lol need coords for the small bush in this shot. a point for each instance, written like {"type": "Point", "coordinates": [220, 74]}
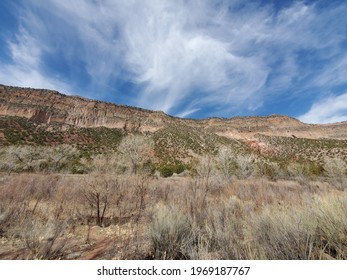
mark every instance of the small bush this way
{"type": "Point", "coordinates": [280, 235]}
{"type": "Point", "coordinates": [79, 168]}
{"type": "Point", "coordinates": [166, 171]}
{"type": "Point", "coordinates": [228, 220]}
{"type": "Point", "coordinates": [314, 232]}
{"type": "Point", "coordinates": [270, 170]}
{"type": "Point", "coordinates": [171, 234]}
{"type": "Point", "coordinates": [315, 169]}
{"type": "Point", "coordinates": [169, 170]}
{"type": "Point", "coordinates": [334, 167]}
{"type": "Point", "coordinates": [179, 168]}
{"type": "Point", "coordinates": [148, 167]}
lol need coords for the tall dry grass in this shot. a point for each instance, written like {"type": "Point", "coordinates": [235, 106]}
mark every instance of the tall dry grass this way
{"type": "Point", "coordinates": [259, 220]}
{"type": "Point", "coordinates": [47, 216]}
{"type": "Point", "coordinates": [51, 216]}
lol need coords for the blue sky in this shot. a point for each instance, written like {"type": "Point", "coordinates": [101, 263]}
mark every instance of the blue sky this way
{"type": "Point", "coordinates": [188, 58]}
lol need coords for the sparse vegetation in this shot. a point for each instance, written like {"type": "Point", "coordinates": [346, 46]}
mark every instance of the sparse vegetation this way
{"type": "Point", "coordinates": [232, 205]}
{"type": "Point", "coordinates": [135, 151]}
{"type": "Point", "coordinates": [171, 234]}
{"type": "Point", "coordinates": [69, 192]}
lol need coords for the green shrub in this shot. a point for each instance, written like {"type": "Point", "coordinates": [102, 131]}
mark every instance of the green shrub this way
{"type": "Point", "coordinates": [148, 167]}
{"type": "Point", "coordinates": [170, 169]}
{"type": "Point", "coordinates": [315, 169]}
{"type": "Point", "coordinates": [266, 169]}
{"type": "Point", "coordinates": [79, 168]}
{"type": "Point", "coordinates": [166, 171]}
{"type": "Point", "coordinates": [179, 168]}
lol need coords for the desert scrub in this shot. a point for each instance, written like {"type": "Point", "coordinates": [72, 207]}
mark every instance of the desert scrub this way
{"type": "Point", "coordinates": [335, 167]}
{"type": "Point", "coordinates": [304, 148]}
{"type": "Point", "coordinates": [331, 232]}
{"type": "Point", "coordinates": [221, 234]}
{"type": "Point", "coordinates": [317, 230]}
{"type": "Point", "coordinates": [135, 150]}
{"type": "Point", "coordinates": [168, 170]}
{"type": "Point", "coordinates": [279, 235]}
{"type": "Point", "coordinates": [183, 142]}
{"type": "Point", "coordinates": [171, 234]}
{"type": "Point", "coordinates": [29, 158]}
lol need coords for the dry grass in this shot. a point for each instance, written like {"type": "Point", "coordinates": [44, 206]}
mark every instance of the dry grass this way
{"type": "Point", "coordinates": [316, 230]}
{"type": "Point", "coordinates": [261, 219]}
{"type": "Point", "coordinates": [50, 216]}
{"type": "Point", "coordinates": [171, 234]}
{"type": "Point", "coordinates": [104, 216]}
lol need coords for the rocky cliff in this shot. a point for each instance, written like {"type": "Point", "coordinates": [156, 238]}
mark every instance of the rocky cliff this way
{"type": "Point", "coordinates": [51, 107]}
{"type": "Point", "coordinates": [48, 107]}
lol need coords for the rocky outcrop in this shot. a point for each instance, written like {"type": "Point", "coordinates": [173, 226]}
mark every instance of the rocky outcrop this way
{"type": "Point", "coordinates": [48, 107]}
{"type": "Point", "coordinates": [275, 125]}
{"type": "Point", "coordinates": [51, 107]}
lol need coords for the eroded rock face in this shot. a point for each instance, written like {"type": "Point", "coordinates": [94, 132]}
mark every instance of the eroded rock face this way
{"type": "Point", "coordinates": [47, 107]}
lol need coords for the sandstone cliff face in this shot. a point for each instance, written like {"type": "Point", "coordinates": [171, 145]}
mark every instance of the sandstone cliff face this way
{"type": "Point", "coordinates": [50, 107]}
{"type": "Point", "coordinates": [275, 125]}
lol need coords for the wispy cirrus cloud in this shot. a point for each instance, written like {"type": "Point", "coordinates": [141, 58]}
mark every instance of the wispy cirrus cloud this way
{"type": "Point", "coordinates": [334, 73]}
{"type": "Point", "coordinates": [26, 67]}
{"type": "Point", "coordinates": [327, 110]}
{"type": "Point", "coordinates": [188, 58]}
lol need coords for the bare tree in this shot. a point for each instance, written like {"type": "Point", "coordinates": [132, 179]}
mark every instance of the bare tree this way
{"type": "Point", "coordinates": [100, 196]}
{"type": "Point", "coordinates": [30, 158]}
{"type": "Point", "coordinates": [62, 153]}
{"type": "Point", "coordinates": [21, 156]}
{"type": "Point", "coordinates": [136, 149]}
{"type": "Point", "coordinates": [225, 160]}
{"type": "Point", "coordinates": [245, 164]}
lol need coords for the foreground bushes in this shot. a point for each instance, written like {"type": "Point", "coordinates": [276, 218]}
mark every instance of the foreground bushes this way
{"type": "Point", "coordinates": [235, 229]}
{"type": "Point", "coordinates": [171, 234]}
{"type": "Point", "coordinates": [55, 216]}
{"type": "Point", "coordinates": [315, 231]}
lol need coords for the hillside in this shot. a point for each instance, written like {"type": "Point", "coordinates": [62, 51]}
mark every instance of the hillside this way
{"type": "Point", "coordinates": [50, 107]}
{"type": "Point", "coordinates": [42, 117]}
{"type": "Point", "coordinates": [85, 179]}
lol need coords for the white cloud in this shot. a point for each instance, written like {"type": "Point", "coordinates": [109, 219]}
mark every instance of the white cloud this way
{"type": "Point", "coordinates": [334, 73]}
{"type": "Point", "coordinates": [197, 51]}
{"type": "Point", "coordinates": [327, 110]}
{"type": "Point", "coordinates": [26, 51]}
{"type": "Point", "coordinates": [26, 67]}
{"type": "Point", "coordinates": [182, 55]}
